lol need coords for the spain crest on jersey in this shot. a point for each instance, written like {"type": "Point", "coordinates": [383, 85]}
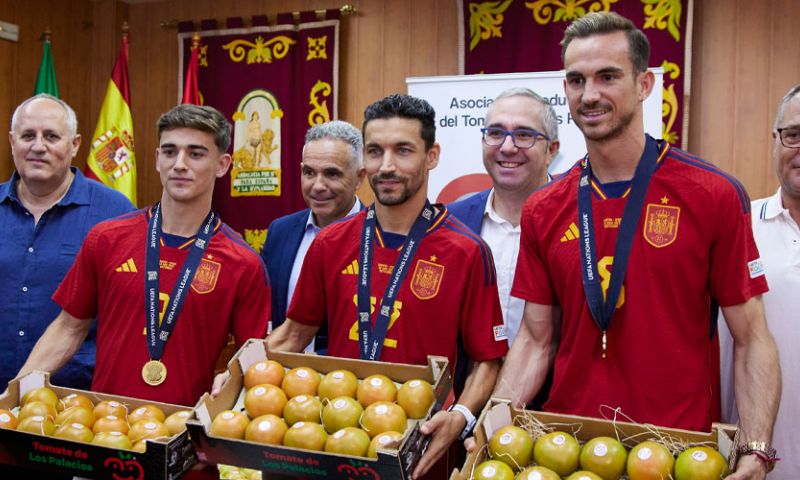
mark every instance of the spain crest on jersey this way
{"type": "Point", "coordinates": [426, 279]}
{"type": "Point", "coordinates": [205, 280]}
{"type": "Point", "coordinates": [661, 224]}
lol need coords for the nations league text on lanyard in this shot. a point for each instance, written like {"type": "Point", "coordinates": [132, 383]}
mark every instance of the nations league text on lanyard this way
{"type": "Point", "coordinates": [154, 372]}
{"type": "Point", "coordinates": [371, 340]}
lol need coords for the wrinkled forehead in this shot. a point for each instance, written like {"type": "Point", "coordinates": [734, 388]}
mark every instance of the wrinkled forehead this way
{"type": "Point", "coordinates": [791, 115]}
{"type": "Point", "coordinates": [42, 113]}
{"type": "Point", "coordinates": [515, 112]}
{"type": "Point", "coordinates": [598, 52]}
{"type": "Point", "coordinates": [394, 130]}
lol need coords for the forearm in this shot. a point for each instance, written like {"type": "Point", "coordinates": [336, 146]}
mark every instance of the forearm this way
{"type": "Point", "coordinates": [524, 371]}
{"type": "Point", "coordinates": [291, 336]}
{"type": "Point", "coordinates": [57, 345]}
{"type": "Point", "coordinates": [479, 384]}
{"type": "Point", "coordinates": [528, 361]}
{"type": "Point", "coordinates": [757, 385]}
{"type": "Point", "coordinates": [757, 373]}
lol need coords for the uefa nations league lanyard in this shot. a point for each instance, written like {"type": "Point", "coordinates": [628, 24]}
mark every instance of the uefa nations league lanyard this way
{"type": "Point", "coordinates": [157, 335]}
{"type": "Point", "coordinates": [371, 340]}
{"type": "Point", "coordinates": [603, 309]}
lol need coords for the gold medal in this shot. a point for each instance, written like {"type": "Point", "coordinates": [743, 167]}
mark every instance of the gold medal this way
{"type": "Point", "coordinates": [154, 372]}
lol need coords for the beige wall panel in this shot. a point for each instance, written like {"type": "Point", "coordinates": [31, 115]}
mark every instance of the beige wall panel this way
{"type": "Point", "coordinates": [711, 123]}
{"type": "Point", "coordinates": [752, 95]}
{"type": "Point", "coordinates": [8, 69]}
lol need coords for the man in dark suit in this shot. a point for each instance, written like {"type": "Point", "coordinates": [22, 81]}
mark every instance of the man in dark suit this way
{"type": "Point", "coordinates": [331, 175]}
{"type": "Point", "coordinates": [520, 139]}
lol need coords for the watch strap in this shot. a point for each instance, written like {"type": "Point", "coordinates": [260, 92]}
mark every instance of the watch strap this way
{"type": "Point", "coordinates": [468, 416]}
{"type": "Point", "coordinates": [762, 451]}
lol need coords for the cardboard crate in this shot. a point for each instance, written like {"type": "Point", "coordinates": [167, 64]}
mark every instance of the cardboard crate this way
{"type": "Point", "coordinates": [162, 459]}
{"type": "Point", "coordinates": [498, 413]}
{"type": "Point", "coordinates": [390, 464]}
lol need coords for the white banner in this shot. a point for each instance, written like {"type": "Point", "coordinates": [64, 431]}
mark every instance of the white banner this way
{"type": "Point", "coordinates": [461, 103]}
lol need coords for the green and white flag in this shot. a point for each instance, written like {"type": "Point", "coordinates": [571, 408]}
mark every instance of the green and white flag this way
{"type": "Point", "coordinates": [46, 79]}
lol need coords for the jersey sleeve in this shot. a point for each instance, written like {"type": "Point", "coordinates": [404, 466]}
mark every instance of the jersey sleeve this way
{"type": "Point", "coordinates": [531, 279]}
{"type": "Point", "coordinates": [482, 327]}
{"type": "Point", "coordinates": [309, 301]}
{"type": "Point", "coordinates": [77, 293]}
{"type": "Point", "coordinates": [252, 310]}
{"type": "Point", "coordinates": [737, 273]}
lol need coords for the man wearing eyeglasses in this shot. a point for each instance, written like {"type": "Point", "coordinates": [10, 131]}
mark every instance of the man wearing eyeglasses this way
{"type": "Point", "coordinates": [520, 140]}
{"type": "Point", "coordinates": [776, 228]}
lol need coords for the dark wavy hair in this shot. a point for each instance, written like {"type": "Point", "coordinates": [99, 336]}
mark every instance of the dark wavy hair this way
{"type": "Point", "coordinates": [203, 118]}
{"type": "Point", "coordinates": [404, 106]}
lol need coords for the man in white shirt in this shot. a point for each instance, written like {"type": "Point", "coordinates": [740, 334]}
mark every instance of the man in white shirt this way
{"type": "Point", "coordinates": [331, 174]}
{"type": "Point", "coordinates": [520, 139]}
{"type": "Point", "coordinates": [775, 228]}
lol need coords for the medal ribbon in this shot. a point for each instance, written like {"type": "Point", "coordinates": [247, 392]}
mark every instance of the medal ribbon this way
{"type": "Point", "coordinates": [371, 340]}
{"type": "Point", "coordinates": [602, 310]}
{"type": "Point", "coordinates": [157, 335]}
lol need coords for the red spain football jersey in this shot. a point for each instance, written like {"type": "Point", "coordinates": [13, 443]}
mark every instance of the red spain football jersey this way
{"type": "Point", "coordinates": [229, 294]}
{"type": "Point", "coordinates": [449, 289]}
{"type": "Point", "coordinates": [693, 242]}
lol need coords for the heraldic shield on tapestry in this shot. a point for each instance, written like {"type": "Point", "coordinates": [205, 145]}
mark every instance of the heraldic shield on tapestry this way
{"type": "Point", "coordinates": [272, 83]}
{"type": "Point", "coordinates": [256, 169]}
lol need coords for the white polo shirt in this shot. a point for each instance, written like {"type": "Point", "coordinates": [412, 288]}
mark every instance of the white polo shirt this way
{"type": "Point", "coordinates": [503, 240]}
{"type": "Point", "coordinates": [778, 238]}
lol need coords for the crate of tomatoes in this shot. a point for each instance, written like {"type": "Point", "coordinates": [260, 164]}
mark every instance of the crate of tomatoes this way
{"type": "Point", "coordinates": [529, 445]}
{"type": "Point", "coordinates": [317, 416]}
{"type": "Point", "coordinates": [80, 433]}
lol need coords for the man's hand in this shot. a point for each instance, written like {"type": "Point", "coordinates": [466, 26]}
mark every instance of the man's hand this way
{"type": "Point", "coordinates": [749, 467]}
{"type": "Point", "coordinates": [444, 428]}
{"type": "Point", "coordinates": [470, 444]}
{"type": "Point", "coordinates": [219, 381]}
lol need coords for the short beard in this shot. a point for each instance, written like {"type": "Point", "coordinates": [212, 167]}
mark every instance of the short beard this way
{"type": "Point", "coordinates": [615, 131]}
{"type": "Point", "coordinates": [405, 194]}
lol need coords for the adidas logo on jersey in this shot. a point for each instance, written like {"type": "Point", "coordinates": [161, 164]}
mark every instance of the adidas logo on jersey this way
{"type": "Point", "coordinates": [127, 266]}
{"type": "Point", "coordinates": [571, 233]}
{"type": "Point", "coordinates": [351, 269]}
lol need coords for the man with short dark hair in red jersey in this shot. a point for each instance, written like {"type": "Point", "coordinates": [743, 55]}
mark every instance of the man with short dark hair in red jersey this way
{"type": "Point", "coordinates": [167, 283]}
{"type": "Point", "coordinates": [620, 259]}
{"type": "Point", "coordinates": [403, 279]}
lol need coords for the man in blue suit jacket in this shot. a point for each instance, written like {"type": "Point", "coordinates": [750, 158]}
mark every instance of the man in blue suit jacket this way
{"type": "Point", "coordinates": [520, 139]}
{"type": "Point", "coordinates": [331, 175]}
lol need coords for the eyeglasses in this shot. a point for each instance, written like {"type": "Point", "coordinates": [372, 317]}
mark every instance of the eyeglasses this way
{"type": "Point", "coordinates": [790, 137]}
{"type": "Point", "coordinates": [521, 137]}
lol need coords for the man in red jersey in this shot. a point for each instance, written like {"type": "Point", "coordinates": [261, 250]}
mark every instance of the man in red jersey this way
{"type": "Point", "coordinates": [177, 259]}
{"type": "Point", "coordinates": [403, 279]}
{"type": "Point", "coordinates": [638, 336]}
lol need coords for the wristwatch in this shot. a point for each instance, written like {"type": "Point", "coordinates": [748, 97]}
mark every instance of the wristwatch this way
{"type": "Point", "coordinates": [762, 450]}
{"type": "Point", "coordinates": [468, 416]}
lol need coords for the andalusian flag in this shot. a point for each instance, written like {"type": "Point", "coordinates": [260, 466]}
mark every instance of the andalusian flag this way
{"type": "Point", "coordinates": [46, 79]}
{"type": "Point", "coordinates": [111, 158]}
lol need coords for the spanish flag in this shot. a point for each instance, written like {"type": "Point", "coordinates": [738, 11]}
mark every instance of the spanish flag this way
{"type": "Point", "coordinates": [191, 93]}
{"type": "Point", "coordinates": [111, 158]}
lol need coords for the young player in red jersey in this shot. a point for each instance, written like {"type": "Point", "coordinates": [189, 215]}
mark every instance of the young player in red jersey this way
{"type": "Point", "coordinates": [632, 278]}
{"type": "Point", "coordinates": [404, 303]}
{"type": "Point", "coordinates": [198, 279]}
